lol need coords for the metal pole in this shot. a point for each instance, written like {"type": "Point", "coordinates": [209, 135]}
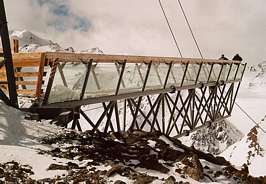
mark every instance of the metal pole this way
{"type": "Point", "coordinates": [8, 57]}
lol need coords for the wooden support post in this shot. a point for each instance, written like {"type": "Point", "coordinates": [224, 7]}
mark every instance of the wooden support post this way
{"type": "Point", "coordinates": [15, 46]}
{"type": "Point", "coordinates": [40, 77]}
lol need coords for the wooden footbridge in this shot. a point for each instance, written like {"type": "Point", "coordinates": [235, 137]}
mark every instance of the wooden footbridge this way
{"type": "Point", "coordinates": [167, 94]}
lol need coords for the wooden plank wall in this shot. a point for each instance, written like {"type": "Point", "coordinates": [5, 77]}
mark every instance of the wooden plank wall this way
{"type": "Point", "coordinates": [29, 83]}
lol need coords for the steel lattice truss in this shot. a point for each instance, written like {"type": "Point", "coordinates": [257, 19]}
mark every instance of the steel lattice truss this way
{"type": "Point", "coordinates": [172, 114]}
{"type": "Point", "coordinates": [173, 98]}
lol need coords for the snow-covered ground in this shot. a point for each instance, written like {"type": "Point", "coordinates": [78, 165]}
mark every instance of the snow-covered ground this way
{"type": "Point", "coordinates": [18, 137]}
{"type": "Point", "coordinates": [18, 140]}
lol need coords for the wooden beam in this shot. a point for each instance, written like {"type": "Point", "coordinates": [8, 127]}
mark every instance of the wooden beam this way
{"type": "Point", "coordinates": [29, 83]}
{"type": "Point", "coordinates": [101, 58]}
{"type": "Point", "coordinates": [26, 74]}
{"type": "Point", "coordinates": [26, 92]}
{"type": "Point", "coordinates": [21, 74]}
{"type": "Point", "coordinates": [40, 76]}
{"type": "Point", "coordinates": [15, 45]}
{"type": "Point", "coordinates": [27, 55]}
{"type": "Point", "coordinates": [26, 63]}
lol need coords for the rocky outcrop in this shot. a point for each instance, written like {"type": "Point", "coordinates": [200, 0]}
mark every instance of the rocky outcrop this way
{"type": "Point", "coordinates": [193, 167]}
{"type": "Point", "coordinates": [214, 139]}
{"type": "Point", "coordinates": [124, 152]}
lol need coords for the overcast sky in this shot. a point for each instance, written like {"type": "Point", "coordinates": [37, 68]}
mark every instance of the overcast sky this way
{"type": "Point", "coordinates": [138, 26]}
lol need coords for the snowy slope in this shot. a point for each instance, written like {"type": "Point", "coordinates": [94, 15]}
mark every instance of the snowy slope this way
{"type": "Point", "coordinates": [251, 149]}
{"type": "Point", "coordinates": [18, 141]}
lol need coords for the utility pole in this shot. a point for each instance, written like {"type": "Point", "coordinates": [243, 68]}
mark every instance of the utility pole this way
{"type": "Point", "coordinates": [8, 62]}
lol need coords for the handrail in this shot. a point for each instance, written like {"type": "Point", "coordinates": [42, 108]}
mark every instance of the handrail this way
{"type": "Point", "coordinates": [102, 58]}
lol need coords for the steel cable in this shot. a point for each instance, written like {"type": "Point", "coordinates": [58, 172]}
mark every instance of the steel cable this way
{"type": "Point", "coordinates": [249, 117]}
{"type": "Point", "coordinates": [170, 28]}
{"type": "Point", "coordinates": [190, 28]}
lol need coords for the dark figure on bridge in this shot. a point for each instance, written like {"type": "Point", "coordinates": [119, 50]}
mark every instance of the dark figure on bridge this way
{"type": "Point", "coordinates": [223, 57]}
{"type": "Point", "coordinates": [237, 58]}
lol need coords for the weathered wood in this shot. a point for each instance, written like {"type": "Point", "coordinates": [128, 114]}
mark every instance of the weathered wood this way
{"type": "Point", "coordinates": [23, 56]}
{"type": "Point", "coordinates": [101, 58]}
{"type": "Point", "coordinates": [30, 83]}
{"type": "Point", "coordinates": [26, 63]}
{"type": "Point", "coordinates": [26, 74]}
{"type": "Point", "coordinates": [26, 92]}
{"type": "Point", "coordinates": [22, 60]}
{"type": "Point", "coordinates": [40, 76]}
{"type": "Point", "coordinates": [33, 59]}
{"type": "Point", "coordinates": [21, 74]}
{"type": "Point", "coordinates": [15, 45]}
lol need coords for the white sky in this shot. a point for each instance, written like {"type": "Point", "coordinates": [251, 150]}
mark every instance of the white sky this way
{"type": "Point", "coordinates": [138, 27]}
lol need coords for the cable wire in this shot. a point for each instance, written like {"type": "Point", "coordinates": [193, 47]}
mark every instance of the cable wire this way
{"type": "Point", "coordinates": [170, 28]}
{"type": "Point", "coordinates": [249, 117]}
{"type": "Point", "coordinates": [190, 28]}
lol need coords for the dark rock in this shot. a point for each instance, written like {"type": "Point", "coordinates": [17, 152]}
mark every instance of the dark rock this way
{"type": "Point", "coordinates": [194, 168]}
{"type": "Point", "coordinates": [57, 167]}
{"type": "Point", "coordinates": [143, 179]}
{"type": "Point", "coordinates": [115, 169]}
{"type": "Point", "coordinates": [72, 165]}
{"type": "Point", "coordinates": [179, 171]}
{"type": "Point", "coordinates": [119, 182]}
{"type": "Point", "coordinates": [218, 173]}
{"type": "Point", "coordinates": [206, 167]}
{"type": "Point", "coordinates": [151, 162]}
{"type": "Point", "coordinates": [170, 180]}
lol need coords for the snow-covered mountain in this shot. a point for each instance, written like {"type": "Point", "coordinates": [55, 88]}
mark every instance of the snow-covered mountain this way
{"type": "Point", "coordinates": [259, 75]}
{"type": "Point", "coordinates": [26, 37]}
{"type": "Point", "coordinates": [30, 42]}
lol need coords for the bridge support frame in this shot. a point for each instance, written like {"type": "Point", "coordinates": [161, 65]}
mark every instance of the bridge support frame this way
{"type": "Point", "coordinates": [174, 110]}
{"type": "Point", "coordinates": [186, 112]}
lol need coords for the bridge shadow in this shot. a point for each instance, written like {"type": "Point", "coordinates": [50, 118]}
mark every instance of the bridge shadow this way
{"type": "Point", "coordinates": [12, 131]}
